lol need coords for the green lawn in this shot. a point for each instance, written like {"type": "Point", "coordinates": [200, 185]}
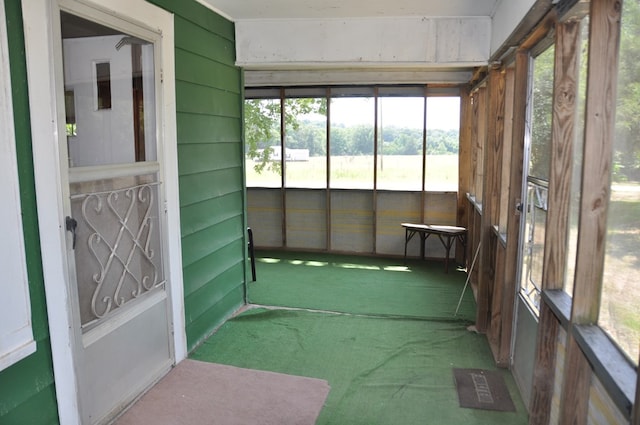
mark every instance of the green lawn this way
{"type": "Point", "coordinates": [396, 172]}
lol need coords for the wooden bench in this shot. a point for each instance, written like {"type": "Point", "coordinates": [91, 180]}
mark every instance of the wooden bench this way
{"type": "Point", "coordinates": [447, 235]}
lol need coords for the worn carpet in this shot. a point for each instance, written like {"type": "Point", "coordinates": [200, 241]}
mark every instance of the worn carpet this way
{"type": "Point", "coordinates": [202, 393]}
{"type": "Point", "coordinates": [361, 285]}
{"type": "Point", "coordinates": [382, 370]}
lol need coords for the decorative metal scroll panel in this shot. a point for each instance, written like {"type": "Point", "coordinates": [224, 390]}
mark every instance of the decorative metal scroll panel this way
{"type": "Point", "coordinates": [536, 217]}
{"type": "Point", "coordinates": [118, 251]}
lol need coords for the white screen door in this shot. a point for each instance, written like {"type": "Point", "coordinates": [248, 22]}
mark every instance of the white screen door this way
{"type": "Point", "coordinates": [115, 210]}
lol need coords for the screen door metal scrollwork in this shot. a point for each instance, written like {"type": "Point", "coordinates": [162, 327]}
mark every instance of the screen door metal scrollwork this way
{"type": "Point", "coordinates": [118, 251]}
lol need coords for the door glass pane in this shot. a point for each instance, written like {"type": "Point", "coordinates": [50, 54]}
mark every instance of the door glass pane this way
{"type": "Point", "coordinates": [537, 177]}
{"type": "Point", "coordinates": [533, 244]}
{"type": "Point", "coordinates": [110, 94]}
{"type": "Point", "coordinates": [619, 312]}
{"type": "Point", "coordinates": [400, 134]}
{"type": "Point", "coordinates": [541, 110]}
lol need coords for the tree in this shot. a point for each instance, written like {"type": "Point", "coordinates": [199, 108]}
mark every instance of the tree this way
{"type": "Point", "coordinates": [261, 132]}
{"type": "Point", "coordinates": [262, 119]}
{"type": "Point", "coordinates": [627, 147]}
{"type": "Point", "coordinates": [542, 112]}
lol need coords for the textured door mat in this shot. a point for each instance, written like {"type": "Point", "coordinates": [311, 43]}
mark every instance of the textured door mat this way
{"type": "Point", "coordinates": [482, 389]}
{"type": "Point", "coordinates": [201, 393]}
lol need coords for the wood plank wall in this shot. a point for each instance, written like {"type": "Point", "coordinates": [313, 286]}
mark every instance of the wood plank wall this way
{"type": "Point", "coordinates": [209, 104]}
{"type": "Point", "coordinates": [565, 368]}
{"type": "Point", "coordinates": [491, 184]}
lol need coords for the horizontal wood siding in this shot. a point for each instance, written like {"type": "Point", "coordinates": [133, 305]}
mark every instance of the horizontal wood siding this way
{"type": "Point", "coordinates": [27, 393]}
{"type": "Point", "coordinates": [209, 120]}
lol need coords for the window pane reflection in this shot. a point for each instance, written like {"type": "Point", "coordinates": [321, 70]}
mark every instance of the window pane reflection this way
{"type": "Point", "coordinates": [400, 134]}
{"type": "Point", "coordinates": [443, 141]}
{"type": "Point", "coordinates": [305, 143]}
{"type": "Point", "coordinates": [619, 313]}
{"type": "Point", "coordinates": [262, 142]}
{"type": "Point", "coordinates": [351, 142]}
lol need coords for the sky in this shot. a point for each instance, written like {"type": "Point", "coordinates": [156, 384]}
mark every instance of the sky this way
{"type": "Point", "coordinates": [443, 112]}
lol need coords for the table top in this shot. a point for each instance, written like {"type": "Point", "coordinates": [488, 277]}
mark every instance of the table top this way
{"type": "Point", "coordinates": [435, 228]}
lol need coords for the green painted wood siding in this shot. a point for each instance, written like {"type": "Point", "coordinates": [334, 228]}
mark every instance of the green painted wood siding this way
{"type": "Point", "coordinates": [211, 167]}
{"type": "Point", "coordinates": [27, 394]}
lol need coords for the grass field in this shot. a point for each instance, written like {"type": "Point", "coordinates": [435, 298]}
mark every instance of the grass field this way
{"type": "Point", "coordinates": [619, 312]}
{"type": "Point", "coordinates": [395, 172]}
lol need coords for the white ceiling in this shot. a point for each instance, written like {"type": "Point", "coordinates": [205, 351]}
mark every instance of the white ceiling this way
{"type": "Point", "coordinates": [238, 10]}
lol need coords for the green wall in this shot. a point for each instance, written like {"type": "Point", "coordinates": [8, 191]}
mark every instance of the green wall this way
{"type": "Point", "coordinates": [27, 393]}
{"type": "Point", "coordinates": [211, 167]}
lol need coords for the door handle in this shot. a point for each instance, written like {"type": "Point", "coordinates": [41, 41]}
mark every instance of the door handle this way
{"type": "Point", "coordinates": [71, 224]}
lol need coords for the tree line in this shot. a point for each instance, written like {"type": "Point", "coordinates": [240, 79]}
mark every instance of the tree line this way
{"type": "Point", "coordinates": [358, 140]}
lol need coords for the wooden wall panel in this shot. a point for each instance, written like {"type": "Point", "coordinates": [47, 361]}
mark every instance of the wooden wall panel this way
{"type": "Point", "coordinates": [602, 409]}
{"type": "Point", "coordinates": [395, 208]}
{"type": "Point", "coordinates": [211, 166]}
{"type": "Point", "coordinates": [352, 221]}
{"type": "Point", "coordinates": [306, 224]}
{"type": "Point", "coordinates": [492, 175]}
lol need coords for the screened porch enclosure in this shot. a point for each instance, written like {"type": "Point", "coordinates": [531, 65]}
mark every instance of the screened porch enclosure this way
{"type": "Point", "coordinates": [339, 169]}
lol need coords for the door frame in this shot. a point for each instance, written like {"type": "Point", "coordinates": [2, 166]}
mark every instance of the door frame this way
{"type": "Point", "coordinates": [43, 70]}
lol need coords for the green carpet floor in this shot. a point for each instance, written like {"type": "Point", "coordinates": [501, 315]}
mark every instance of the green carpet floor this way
{"type": "Point", "coordinates": [360, 285]}
{"type": "Point", "coordinates": [387, 364]}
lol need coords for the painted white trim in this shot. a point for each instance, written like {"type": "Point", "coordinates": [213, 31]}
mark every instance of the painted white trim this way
{"type": "Point", "coordinates": [399, 42]}
{"type": "Point", "coordinates": [216, 10]}
{"type": "Point", "coordinates": [311, 77]}
{"type": "Point", "coordinates": [172, 190]}
{"type": "Point", "coordinates": [16, 334]}
{"type": "Point", "coordinates": [42, 103]}
{"type": "Point", "coordinates": [85, 174]}
{"type": "Point", "coordinates": [38, 17]}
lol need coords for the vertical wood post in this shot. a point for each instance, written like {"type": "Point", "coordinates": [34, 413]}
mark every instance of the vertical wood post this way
{"type": "Point", "coordinates": [283, 189]}
{"type": "Point", "coordinates": [507, 297]}
{"type": "Point", "coordinates": [604, 38]}
{"type": "Point", "coordinates": [491, 193]}
{"type": "Point", "coordinates": [564, 121]}
{"type": "Point", "coordinates": [464, 165]}
{"type": "Point", "coordinates": [328, 188]}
